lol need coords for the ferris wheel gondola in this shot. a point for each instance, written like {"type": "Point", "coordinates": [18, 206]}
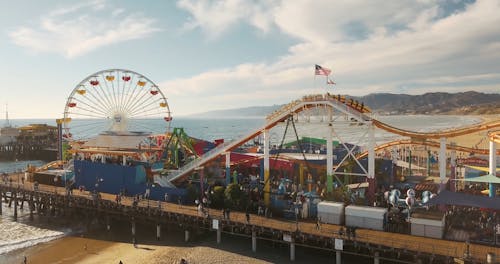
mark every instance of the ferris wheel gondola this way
{"type": "Point", "coordinates": [115, 101]}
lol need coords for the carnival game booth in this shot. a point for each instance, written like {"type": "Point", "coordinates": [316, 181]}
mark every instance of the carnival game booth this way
{"type": "Point", "coordinates": [428, 224]}
{"type": "Point", "coordinates": [121, 163]}
{"type": "Point", "coordinates": [331, 212]}
{"type": "Point", "coordinates": [366, 217]}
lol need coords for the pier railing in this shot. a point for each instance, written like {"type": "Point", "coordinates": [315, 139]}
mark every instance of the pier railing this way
{"type": "Point", "coordinates": [376, 239]}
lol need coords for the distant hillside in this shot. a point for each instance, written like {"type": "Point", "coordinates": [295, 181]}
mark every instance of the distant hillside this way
{"type": "Point", "coordinates": [473, 103]}
{"type": "Point", "coordinates": [433, 103]}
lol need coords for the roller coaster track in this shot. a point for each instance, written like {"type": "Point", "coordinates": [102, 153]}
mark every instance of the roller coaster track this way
{"type": "Point", "coordinates": [426, 143]}
{"type": "Point", "coordinates": [439, 134]}
{"type": "Point", "coordinates": [340, 103]}
{"type": "Point", "coordinates": [307, 102]}
{"type": "Point", "coordinates": [494, 136]}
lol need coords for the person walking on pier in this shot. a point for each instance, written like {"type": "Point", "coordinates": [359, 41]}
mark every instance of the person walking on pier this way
{"type": "Point", "coordinates": [166, 197]}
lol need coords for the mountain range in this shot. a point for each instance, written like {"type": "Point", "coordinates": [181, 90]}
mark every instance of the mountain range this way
{"type": "Point", "coordinates": [471, 102]}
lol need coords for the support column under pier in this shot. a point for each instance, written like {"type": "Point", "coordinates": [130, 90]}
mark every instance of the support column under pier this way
{"type": "Point", "coordinates": [292, 250]}
{"type": "Point", "coordinates": [376, 258]}
{"type": "Point", "coordinates": [219, 234]}
{"type": "Point", "coordinates": [15, 206]}
{"type": "Point", "coordinates": [31, 205]}
{"type": "Point", "coordinates": [108, 224]}
{"type": "Point", "coordinates": [186, 235]}
{"type": "Point", "coordinates": [158, 231]}
{"type": "Point", "coordinates": [133, 231]}
{"type": "Point", "coordinates": [338, 257]}
{"type": "Point", "coordinates": [254, 241]}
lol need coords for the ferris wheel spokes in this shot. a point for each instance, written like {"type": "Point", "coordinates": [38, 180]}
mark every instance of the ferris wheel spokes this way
{"type": "Point", "coordinates": [115, 100]}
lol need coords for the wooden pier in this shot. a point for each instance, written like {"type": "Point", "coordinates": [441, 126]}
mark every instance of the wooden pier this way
{"type": "Point", "coordinates": [57, 201]}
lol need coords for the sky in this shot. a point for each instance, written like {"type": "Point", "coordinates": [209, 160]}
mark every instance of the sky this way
{"type": "Point", "coordinates": [210, 55]}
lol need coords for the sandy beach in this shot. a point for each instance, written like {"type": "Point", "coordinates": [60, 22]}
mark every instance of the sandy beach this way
{"type": "Point", "coordinates": [100, 246]}
{"type": "Point", "coordinates": [478, 139]}
{"type": "Point", "coordinates": [75, 249]}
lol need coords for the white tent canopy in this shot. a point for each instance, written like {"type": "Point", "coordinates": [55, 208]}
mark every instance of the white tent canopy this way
{"type": "Point", "coordinates": [116, 141]}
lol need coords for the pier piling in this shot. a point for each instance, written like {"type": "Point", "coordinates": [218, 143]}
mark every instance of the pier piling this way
{"type": "Point", "coordinates": [22, 202]}
{"type": "Point", "coordinates": [32, 207]}
{"type": "Point", "coordinates": [108, 224]}
{"type": "Point", "coordinates": [490, 258]}
{"type": "Point", "coordinates": [338, 257]}
{"type": "Point", "coordinates": [15, 206]}
{"type": "Point", "coordinates": [219, 235]}
{"type": "Point", "coordinates": [376, 258]}
{"type": "Point", "coordinates": [292, 250]}
{"type": "Point", "coordinates": [186, 235]}
{"type": "Point", "coordinates": [158, 231]}
{"type": "Point", "coordinates": [254, 241]}
{"type": "Point", "coordinates": [133, 228]}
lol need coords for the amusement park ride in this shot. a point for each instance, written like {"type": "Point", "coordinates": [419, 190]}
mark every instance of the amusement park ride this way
{"type": "Point", "coordinates": [110, 116]}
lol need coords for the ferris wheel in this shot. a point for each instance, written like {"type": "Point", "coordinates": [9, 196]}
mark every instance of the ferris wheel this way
{"type": "Point", "coordinates": [116, 101]}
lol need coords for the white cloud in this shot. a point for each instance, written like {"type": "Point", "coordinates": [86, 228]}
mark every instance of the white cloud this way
{"type": "Point", "coordinates": [216, 17]}
{"type": "Point", "coordinates": [76, 30]}
{"type": "Point", "coordinates": [407, 47]}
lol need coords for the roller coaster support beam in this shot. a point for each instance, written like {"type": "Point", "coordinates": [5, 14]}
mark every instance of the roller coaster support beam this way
{"type": "Point", "coordinates": [371, 163]}
{"type": "Point", "coordinates": [228, 168]}
{"type": "Point", "coordinates": [329, 160]}
{"type": "Point", "coordinates": [267, 183]}
{"type": "Point", "coordinates": [442, 162]}
{"type": "Point", "coordinates": [453, 170]}
{"type": "Point", "coordinates": [493, 165]}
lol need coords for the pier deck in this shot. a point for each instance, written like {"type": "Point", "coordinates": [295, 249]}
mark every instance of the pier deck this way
{"type": "Point", "coordinates": [301, 231]}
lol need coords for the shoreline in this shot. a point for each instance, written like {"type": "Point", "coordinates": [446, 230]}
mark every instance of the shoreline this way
{"type": "Point", "coordinates": [101, 246]}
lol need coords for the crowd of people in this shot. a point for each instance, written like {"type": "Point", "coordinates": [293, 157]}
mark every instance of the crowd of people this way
{"type": "Point", "coordinates": [482, 225]}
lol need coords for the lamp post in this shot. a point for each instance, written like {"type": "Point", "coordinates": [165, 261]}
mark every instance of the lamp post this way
{"type": "Point", "coordinates": [97, 181]}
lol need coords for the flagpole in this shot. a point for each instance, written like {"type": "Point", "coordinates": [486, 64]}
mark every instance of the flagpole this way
{"type": "Point", "coordinates": [314, 82]}
{"type": "Point", "coordinates": [326, 84]}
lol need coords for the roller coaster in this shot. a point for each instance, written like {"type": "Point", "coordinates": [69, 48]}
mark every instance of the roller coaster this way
{"type": "Point", "coordinates": [336, 109]}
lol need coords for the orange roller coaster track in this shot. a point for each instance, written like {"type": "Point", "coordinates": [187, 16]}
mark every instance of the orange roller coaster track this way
{"type": "Point", "coordinates": [440, 134]}
{"type": "Point", "coordinates": [494, 136]}
{"type": "Point", "coordinates": [427, 143]}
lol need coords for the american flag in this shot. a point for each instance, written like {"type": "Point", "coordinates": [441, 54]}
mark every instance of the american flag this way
{"type": "Point", "coordinates": [329, 81]}
{"type": "Point", "coordinates": [321, 71]}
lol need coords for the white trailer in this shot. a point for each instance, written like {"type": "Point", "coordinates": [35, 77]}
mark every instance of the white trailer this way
{"type": "Point", "coordinates": [427, 225]}
{"type": "Point", "coordinates": [331, 212]}
{"type": "Point", "coordinates": [366, 217]}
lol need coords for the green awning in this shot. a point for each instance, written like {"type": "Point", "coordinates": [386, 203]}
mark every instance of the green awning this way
{"type": "Point", "coordinates": [486, 178]}
{"type": "Point", "coordinates": [311, 140]}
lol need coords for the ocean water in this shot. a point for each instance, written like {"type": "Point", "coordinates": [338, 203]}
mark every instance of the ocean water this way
{"type": "Point", "coordinates": [231, 128]}
{"type": "Point", "coordinates": [24, 233]}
